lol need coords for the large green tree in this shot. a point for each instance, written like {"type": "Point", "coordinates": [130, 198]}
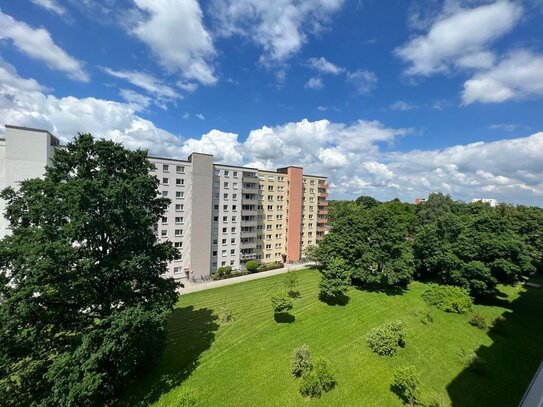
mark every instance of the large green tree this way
{"type": "Point", "coordinates": [83, 298]}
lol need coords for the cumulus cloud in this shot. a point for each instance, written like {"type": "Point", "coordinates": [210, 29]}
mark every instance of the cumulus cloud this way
{"type": "Point", "coordinates": [175, 33]}
{"type": "Point", "coordinates": [324, 66]}
{"type": "Point", "coordinates": [460, 37]}
{"type": "Point", "coordinates": [200, 116]}
{"type": "Point", "coordinates": [314, 83]}
{"type": "Point", "coordinates": [38, 44]}
{"type": "Point", "coordinates": [280, 28]}
{"type": "Point", "coordinates": [136, 99]}
{"type": "Point", "coordinates": [519, 75]}
{"type": "Point", "coordinates": [359, 158]}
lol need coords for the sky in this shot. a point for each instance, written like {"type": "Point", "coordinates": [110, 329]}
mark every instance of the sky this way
{"type": "Point", "coordinates": [388, 98]}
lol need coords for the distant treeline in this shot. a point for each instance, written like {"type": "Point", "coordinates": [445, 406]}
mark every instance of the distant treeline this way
{"type": "Point", "coordinates": [475, 246]}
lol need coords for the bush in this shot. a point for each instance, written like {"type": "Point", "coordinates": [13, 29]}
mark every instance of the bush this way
{"type": "Point", "coordinates": [471, 361]}
{"type": "Point", "coordinates": [316, 381]}
{"type": "Point", "coordinates": [252, 266]}
{"type": "Point", "coordinates": [478, 320]}
{"type": "Point", "coordinates": [386, 339]}
{"type": "Point", "coordinates": [281, 302]}
{"type": "Point", "coordinates": [271, 266]}
{"type": "Point", "coordinates": [224, 271]}
{"type": "Point", "coordinates": [226, 315]}
{"type": "Point", "coordinates": [406, 384]}
{"type": "Point", "coordinates": [448, 298]}
{"type": "Point", "coordinates": [425, 316]}
{"type": "Point", "coordinates": [301, 361]}
{"type": "Point", "coordinates": [186, 399]}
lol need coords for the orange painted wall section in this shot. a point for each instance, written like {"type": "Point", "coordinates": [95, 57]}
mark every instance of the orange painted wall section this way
{"type": "Point", "coordinates": [295, 178]}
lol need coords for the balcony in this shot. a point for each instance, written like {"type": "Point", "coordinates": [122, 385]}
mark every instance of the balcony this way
{"type": "Point", "coordinates": [248, 245]}
{"type": "Point", "coordinates": [323, 194]}
{"type": "Point", "coordinates": [248, 234]}
{"type": "Point", "coordinates": [249, 199]}
{"type": "Point", "coordinates": [323, 212]}
{"type": "Point", "coordinates": [249, 212]}
{"type": "Point", "coordinates": [249, 223]}
{"type": "Point", "coordinates": [321, 229]}
{"type": "Point", "coordinates": [323, 185]}
{"type": "Point", "coordinates": [247, 256]}
{"type": "Point", "coordinates": [323, 203]}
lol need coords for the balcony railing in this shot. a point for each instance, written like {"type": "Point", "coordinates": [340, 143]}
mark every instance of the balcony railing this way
{"type": "Point", "coordinates": [247, 256]}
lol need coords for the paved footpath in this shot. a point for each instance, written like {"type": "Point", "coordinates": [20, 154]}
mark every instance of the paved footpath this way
{"type": "Point", "coordinates": [191, 287]}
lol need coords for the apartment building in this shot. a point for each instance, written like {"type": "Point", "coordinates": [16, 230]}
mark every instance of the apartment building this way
{"type": "Point", "coordinates": [220, 215]}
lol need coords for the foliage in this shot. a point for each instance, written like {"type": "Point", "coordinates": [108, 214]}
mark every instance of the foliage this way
{"type": "Point", "coordinates": [186, 399]}
{"type": "Point", "coordinates": [448, 298]}
{"type": "Point", "coordinates": [367, 202]}
{"type": "Point", "coordinates": [478, 321]}
{"type": "Point", "coordinates": [335, 279]}
{"type": "Point", "coordinates": [425, 316]}
{"type": "Point", "coordinates": [311, 252]}
{"type": "Point", "coordinates": [291, 283]}
{"type": "Point", "coordinates": [406, 384]}
{"type": "Point", "coordinates": [224, 271]}
{"type": "Point", "coordinates": [387, 338]}
{"type": "Point", "coordinates": [271, 266]}
{"type": "Point", "coordinates": [252, 266]}
{"type": "Point", "coordinates": [225, 314]}
{"type": "Point", "coordinates": [498, 325]}
{"type": "Point", "coordinates": [471, 361]}
{"type": "Point", "coordinates": [301, 361]}
{"type": "Point", "coordinates": [317, 380]}
{"type": "Point", "coordinates": [84, 304]}
{"type": "Point", "coordinates": [281, 302]}
{"type": "Point", "coordinates": [234, 273]}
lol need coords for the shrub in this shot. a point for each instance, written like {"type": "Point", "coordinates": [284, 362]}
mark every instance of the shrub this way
{"type": "Point", "coordinates": [301, 361]}
{"type": "Point", "coordinates": [226, 315]}
{"type": "Point", "coordinates": [281, 302]}
{"type": "Point", "coordinates": [478, 320]}
{"type": "Point", "coordinates": [448, 298]}
{"type": "Point", "coordinates": [406, 384]}
{"type": "Point", "coordinates": [291, 282]}
{"type": "Point", "coordinates": [471, 361]}
{"type": "Point", "coordinates": [271, 266]}
{"type": "Point", "coordinates": [252, 266]}
{"type": "Point", "coordinates": [386, 339]}
{"type": "Point", "coordinates": [186, 399]}
{"type": "Point", "coordinates": [318, 380]}
{"type": "Point", "coordinates": [224, 271]}
{"type": "Point", "coordinates": [425, 316]}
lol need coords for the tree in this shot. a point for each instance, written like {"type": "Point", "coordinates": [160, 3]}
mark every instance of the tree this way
{"type": "Point", "coordinates": [317, 380]}
{"type": "Point", "coordinates": [252, 266]}
{"type": "Point", "coordinates": [367, 202]}
{"type": "Point", "coordinates": [301, 361]}
{"type": "Point", "coordinates": [311, 252]}
{"type": "Point", "coordinates": [335, 279]}
{"type": "Point", "coordinates": [281, 302]}
{"type": "Point", "coordinates": [291, 283]}
{"type": "Point", "coordinates": [84, 301]}
{"type": "Point", "coordinates": [406, 384]}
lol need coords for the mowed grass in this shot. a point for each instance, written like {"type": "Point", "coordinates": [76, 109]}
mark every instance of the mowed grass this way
{"type": "Point", "coordinates": [247, 362]}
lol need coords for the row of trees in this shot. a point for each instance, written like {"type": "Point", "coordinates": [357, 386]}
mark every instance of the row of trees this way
{"type": "Point", "coordinates": [474, 246]}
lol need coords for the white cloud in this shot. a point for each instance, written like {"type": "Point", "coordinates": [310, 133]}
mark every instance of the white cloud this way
{"type": "Point", "coordinates": [333, 157]}
{"type": "Point", "coordinates": [459, 37]}
{"type": "Point", "coordinates": [279, 27]}
{"type": "Point", "coordinates": [185, 115]}
{"type": "Point", "coordinates": [314, 83]}
{"type": "Point", "coordinates": [224, 146]}
{"type": "Point", "coordinates": [402, 106]}
{"type": "Point", "coordinates": [38, 44]}
{"type": "Point", "coordinates": [175, 33]}
{"type": "Point", "coordinates": [149, 83]}
{"type": "Point", "coordinates": [519, 75]}
{"type": "Point", "coordinates": [363, 81]}
{"type": "Point", "coordinates": [324, 66]}
{"type": "Point", "coordinates": [200, 116]}
{"type": "Point", "coordinates": [51, 5]}
{"type": "Point", "coordinates": [136, 99]}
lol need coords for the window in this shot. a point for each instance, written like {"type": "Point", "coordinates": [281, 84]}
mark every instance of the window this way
{"type": "Point", "coordinates": [223, 230]}
{"type": "Point", "coordinates": [179, 182]}
{"type": "Point", "coordinates": [178, 244]}
{"type": "Point", "coordinates": [214, 240]}
{"type": "Point", "coordinates": [225, 218]}
{"type": "Point", "coordinates": [268, 256]}
{"type": "Point", "coordinates": [179, 194]}
{"type": "Point", "coordinates": [214, 253]}
{"type": "Point", "coordinates": [235, 185]}
{"type": "Point", "coordinates": [270, 197]}
{"type": "Point", "coordinates": [269, 227]}
{"type": "Point", "coordinates": [280, 179]}
{"type": "Point", "coordinates": [268, 247]}
{"type": "Point", "coordinates": [270, 178]}
{"type": "Point", "coordinates": [178, 220]}
{"type": "Point", "coordinates": [216, 195]}
{"type": "Point", "coordinates": [223, 253]}
{"type": "Point", "coordinates": [224, 242]}
{"type": "Point", "coordinates": [226, 184]}
{"type": "Point", "coordinates": [268, 237]}
{"type": "Point", "coordinates": [165, 181]}
{"type": "Point", "coordinates": [233, 218]}
{"type": "Point", "coordinates": [270, 188]}
{"type": "Point", "coordinates": [270, 207]}
{"type": "Point", "coordinates": [164, 194]}
{"type": "Point", "coordinates": [215, 218]}
{"type": "Point", "coordinates": [223, 263]}
{"type": "Point", "coordinates": [178, 207]}
{"type": "Point", "coordinates": [232, 252]}
{"type": "Point", "coordinates": [235, 197]}
{"type": "Point", "coordinates": [153, 167]}
{"type": "Point", "coordinates": [279, 207]}
{"type": "Point", "coordinates": [225, 197]}
{"type": "Point", "coordinates": [216, 207]}
{"type": "Point", "coordinates": [164, 220]}
{"type": "Point", "coordinates": [234, 207]}
{"type": "Point", "coordinates": [165, 168]}
{"type": "Point", "coordinates": [225, 208]}
{"type": "Point", "coordinates": [269, 217]}
{"type": "Point", "coordinates": [233, 230]}
{"type": "Point", "coordinates": [178, 232]}
{"type": "Point", "coordinates": [235, 174]}
{"type": "Point", "coordinates": [180, 169]}
{"type": "Point", "coordinates": [231, 262]}
{"type": "Point", "coordinates": [177, 270]}
{"type": "Point", "coordinates": [164, 233]}
{"type": "Point", "coordinates": [233, 240]}
{"type": "Point", "coordinates": [226, 173]}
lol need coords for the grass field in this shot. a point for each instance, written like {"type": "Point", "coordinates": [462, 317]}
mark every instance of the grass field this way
{"type": "Point", "coordinates": [247, 362]}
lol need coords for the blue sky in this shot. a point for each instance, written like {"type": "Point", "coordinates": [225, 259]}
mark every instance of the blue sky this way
{"type": "Point", "coordinates": [387, 98]}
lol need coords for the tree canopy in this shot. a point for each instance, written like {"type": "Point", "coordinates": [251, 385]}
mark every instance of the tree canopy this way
{"type": "Point", "coordinates": [84, 301]}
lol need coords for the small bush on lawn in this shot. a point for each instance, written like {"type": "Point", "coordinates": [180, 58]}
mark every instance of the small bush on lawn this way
{"type": "Point", "coordinates": [478, 320]}
{"type": "Point", "coordinates": [406, 384]}
{"type": "Point", "coordinates": [281, 302]}
{"type": "Point", "coordinates": [318, 380]}
{"type": "Point", "coordinates": [187, 398]}
{"type": "Point", "coordinates": [291, 283]}
{"type": "Point", "coordinates": [471, 361]}
{"type": "Point", "coordinates": [301, 361]}
{"type": "Point", "coordinates": [386, 339]}
{"type": "Point", "coordinates": [448, 298]}
{"type": "Point", "coordinates": [224, 271]}
{"type": "Point", "coordinates": [252, 266]}
{"type": "Point", "coordinates": [425, 316]}
{"type": "Point", "coordinates": [226, 315]}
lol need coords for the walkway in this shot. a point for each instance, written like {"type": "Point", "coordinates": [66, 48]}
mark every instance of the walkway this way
{"type": "Point", "coordinates": [191, 287]}
{"type": "Point", "coordinates": [534, 394]}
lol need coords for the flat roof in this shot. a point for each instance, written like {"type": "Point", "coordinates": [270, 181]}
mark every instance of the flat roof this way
{"type": "Point", "coordinates": [169, 159]}
{"type": "Point", "coordinates": [315, 176]}
{"type": "Point", "coordinates": [236, 166]}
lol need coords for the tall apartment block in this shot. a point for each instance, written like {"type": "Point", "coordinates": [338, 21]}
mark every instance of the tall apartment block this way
{"type": "Point", "coordinates": [220, 215]}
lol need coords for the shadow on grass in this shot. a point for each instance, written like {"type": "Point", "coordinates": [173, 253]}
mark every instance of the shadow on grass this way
{"type": "Point", "coordinates": [190, 333]}
{"type": "Point", "coordinates": [391, 291]}
{"type": "Point", "coordinates": [510, 362]}
{"type": "Point", "coordinates": [295, 294]}
{"type": "Point", "coordinates": [284, 318]}
{"type": "Point", "coordinates": [338, 300]}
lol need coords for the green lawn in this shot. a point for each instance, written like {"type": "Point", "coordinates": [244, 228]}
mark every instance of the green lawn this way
{"type": "Point", "coordinates": [247, 363]}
